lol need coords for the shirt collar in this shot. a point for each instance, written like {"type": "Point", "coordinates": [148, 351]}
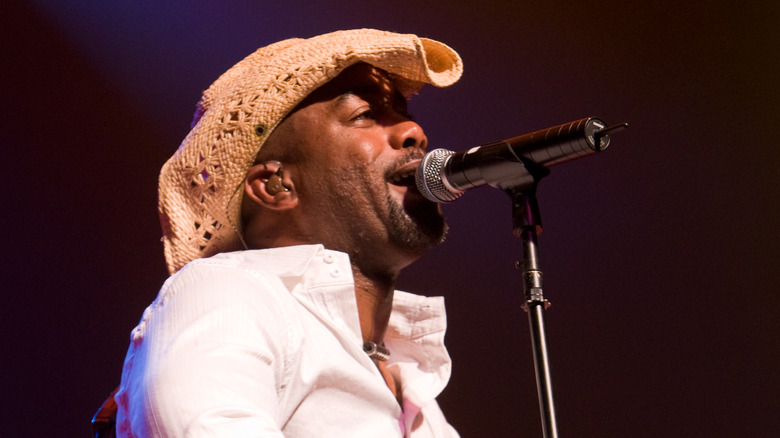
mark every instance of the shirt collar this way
{"type": "Point", "coordinates": [321, 280]}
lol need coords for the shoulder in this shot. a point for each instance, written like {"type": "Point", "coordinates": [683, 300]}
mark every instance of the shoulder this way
{"type": "Point", "coordinates": [221, 280]}
{"type": "Point", "coordinates": [248, 287]}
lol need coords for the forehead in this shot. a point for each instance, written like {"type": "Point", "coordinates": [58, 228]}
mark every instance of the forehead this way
{"type": "Point", "coordinates": [363, 80]}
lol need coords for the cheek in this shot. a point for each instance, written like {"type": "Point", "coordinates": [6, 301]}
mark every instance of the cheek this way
{"type": "Point", "coordinates": [367, 149]}
{"type": "Point", "coordinates": [365, 145]}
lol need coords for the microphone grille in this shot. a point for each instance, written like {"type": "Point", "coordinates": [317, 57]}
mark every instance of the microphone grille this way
{"type": "Point", "coordinates": [429, 177]}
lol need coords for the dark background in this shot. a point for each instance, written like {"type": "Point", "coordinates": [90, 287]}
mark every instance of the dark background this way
{"type": "Point", "coordinates": [660, 255]}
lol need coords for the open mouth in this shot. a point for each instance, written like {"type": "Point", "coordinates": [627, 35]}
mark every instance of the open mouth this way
{"type": "Point", "coordinates": [403, 176]}
{"type": "Point", "coordinates": [405, 179]}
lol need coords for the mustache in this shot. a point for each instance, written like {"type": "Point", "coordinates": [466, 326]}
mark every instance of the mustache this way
{"type": "Point", "coordinates": [414, 154]}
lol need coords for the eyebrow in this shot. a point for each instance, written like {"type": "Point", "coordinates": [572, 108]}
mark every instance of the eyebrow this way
{"type": "Point", "coordinates": [345, 97]}
{"type": "Point", "coordinates": [371, 92]}
{"type": "Point", "coordinates": [362, 91]}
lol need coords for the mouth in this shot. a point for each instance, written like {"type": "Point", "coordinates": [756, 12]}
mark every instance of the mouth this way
{"type": "Point", "coordinates": [404, 175]}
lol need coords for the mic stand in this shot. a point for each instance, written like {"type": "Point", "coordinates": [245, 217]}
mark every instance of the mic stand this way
{"type": "Point", "coordinates": [527, 225]}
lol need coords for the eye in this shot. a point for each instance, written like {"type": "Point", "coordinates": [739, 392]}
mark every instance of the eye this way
{"type": "Point", "coordinates": [368, 114]}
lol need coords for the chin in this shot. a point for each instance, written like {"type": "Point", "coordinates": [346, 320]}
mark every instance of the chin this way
{"type": "Point", "coordinates": [417, 229]}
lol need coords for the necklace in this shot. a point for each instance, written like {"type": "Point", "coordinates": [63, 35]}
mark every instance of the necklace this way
{"type": "Point", "coordinates": [376, 351]}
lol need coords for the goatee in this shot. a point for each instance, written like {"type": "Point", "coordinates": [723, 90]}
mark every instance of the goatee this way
{"type": "Point", "coordinates": [417, 227]}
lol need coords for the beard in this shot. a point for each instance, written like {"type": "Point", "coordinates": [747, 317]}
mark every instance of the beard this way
{"type": "Point", "coordinates": [417, 227]}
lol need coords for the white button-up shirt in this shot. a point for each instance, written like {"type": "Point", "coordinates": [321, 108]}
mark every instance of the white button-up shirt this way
{"type": "Point", "coordinates": [267, 343]}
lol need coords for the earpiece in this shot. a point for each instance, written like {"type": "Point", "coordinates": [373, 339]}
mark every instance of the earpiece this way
{"type": "Point", "coordinates": [274, 185]}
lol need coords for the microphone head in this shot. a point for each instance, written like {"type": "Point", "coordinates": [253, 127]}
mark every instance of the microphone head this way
{"type": "Point", "coordinates": [430, 177]}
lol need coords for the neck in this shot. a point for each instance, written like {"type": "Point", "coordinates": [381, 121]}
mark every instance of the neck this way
{"type": "Point", "coordinates": [375, 301]}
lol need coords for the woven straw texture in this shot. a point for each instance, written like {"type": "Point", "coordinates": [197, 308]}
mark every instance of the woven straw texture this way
{"type": "Point", "coordinates": [201, 185]}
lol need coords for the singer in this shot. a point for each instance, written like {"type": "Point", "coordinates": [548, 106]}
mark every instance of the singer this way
{"type": "Point", "coordinates": [287, 214]}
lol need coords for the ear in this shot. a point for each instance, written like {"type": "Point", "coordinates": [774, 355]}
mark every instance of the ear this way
{"type": "Point", "coordinates": [279, 194]}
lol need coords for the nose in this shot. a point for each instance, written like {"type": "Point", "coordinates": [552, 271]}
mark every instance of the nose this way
{"type": "Point", "coordinates": [408, 134]}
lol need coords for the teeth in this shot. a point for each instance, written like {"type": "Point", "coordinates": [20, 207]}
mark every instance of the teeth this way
{"type": "Point", "coordinates": [401, 176]}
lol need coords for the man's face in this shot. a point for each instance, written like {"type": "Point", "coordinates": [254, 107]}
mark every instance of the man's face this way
{"type": "Point", "coordinates": [356, 154]}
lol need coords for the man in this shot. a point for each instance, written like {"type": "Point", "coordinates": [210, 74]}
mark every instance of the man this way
{"type": "Point", "coordinates": [292, 205]}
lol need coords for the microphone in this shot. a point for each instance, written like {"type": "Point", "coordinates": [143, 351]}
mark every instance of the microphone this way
{"type": "Point", "coordinates": [516, 162]}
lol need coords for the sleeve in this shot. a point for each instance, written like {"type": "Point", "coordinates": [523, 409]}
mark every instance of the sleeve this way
{"type": "Point", "coordinates": [209, 358]}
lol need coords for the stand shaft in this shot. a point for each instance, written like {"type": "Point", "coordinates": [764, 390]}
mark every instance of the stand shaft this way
{"type": "Point", "coordinates": [527, 223]}
{"type": "Point", "coordinates": [542, 368]}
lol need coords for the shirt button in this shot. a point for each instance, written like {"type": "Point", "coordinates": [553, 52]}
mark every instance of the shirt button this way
{"type": "Point", "coordinates": [328, 258]}
{"type": "Point", "coordinates": [335, 272]}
